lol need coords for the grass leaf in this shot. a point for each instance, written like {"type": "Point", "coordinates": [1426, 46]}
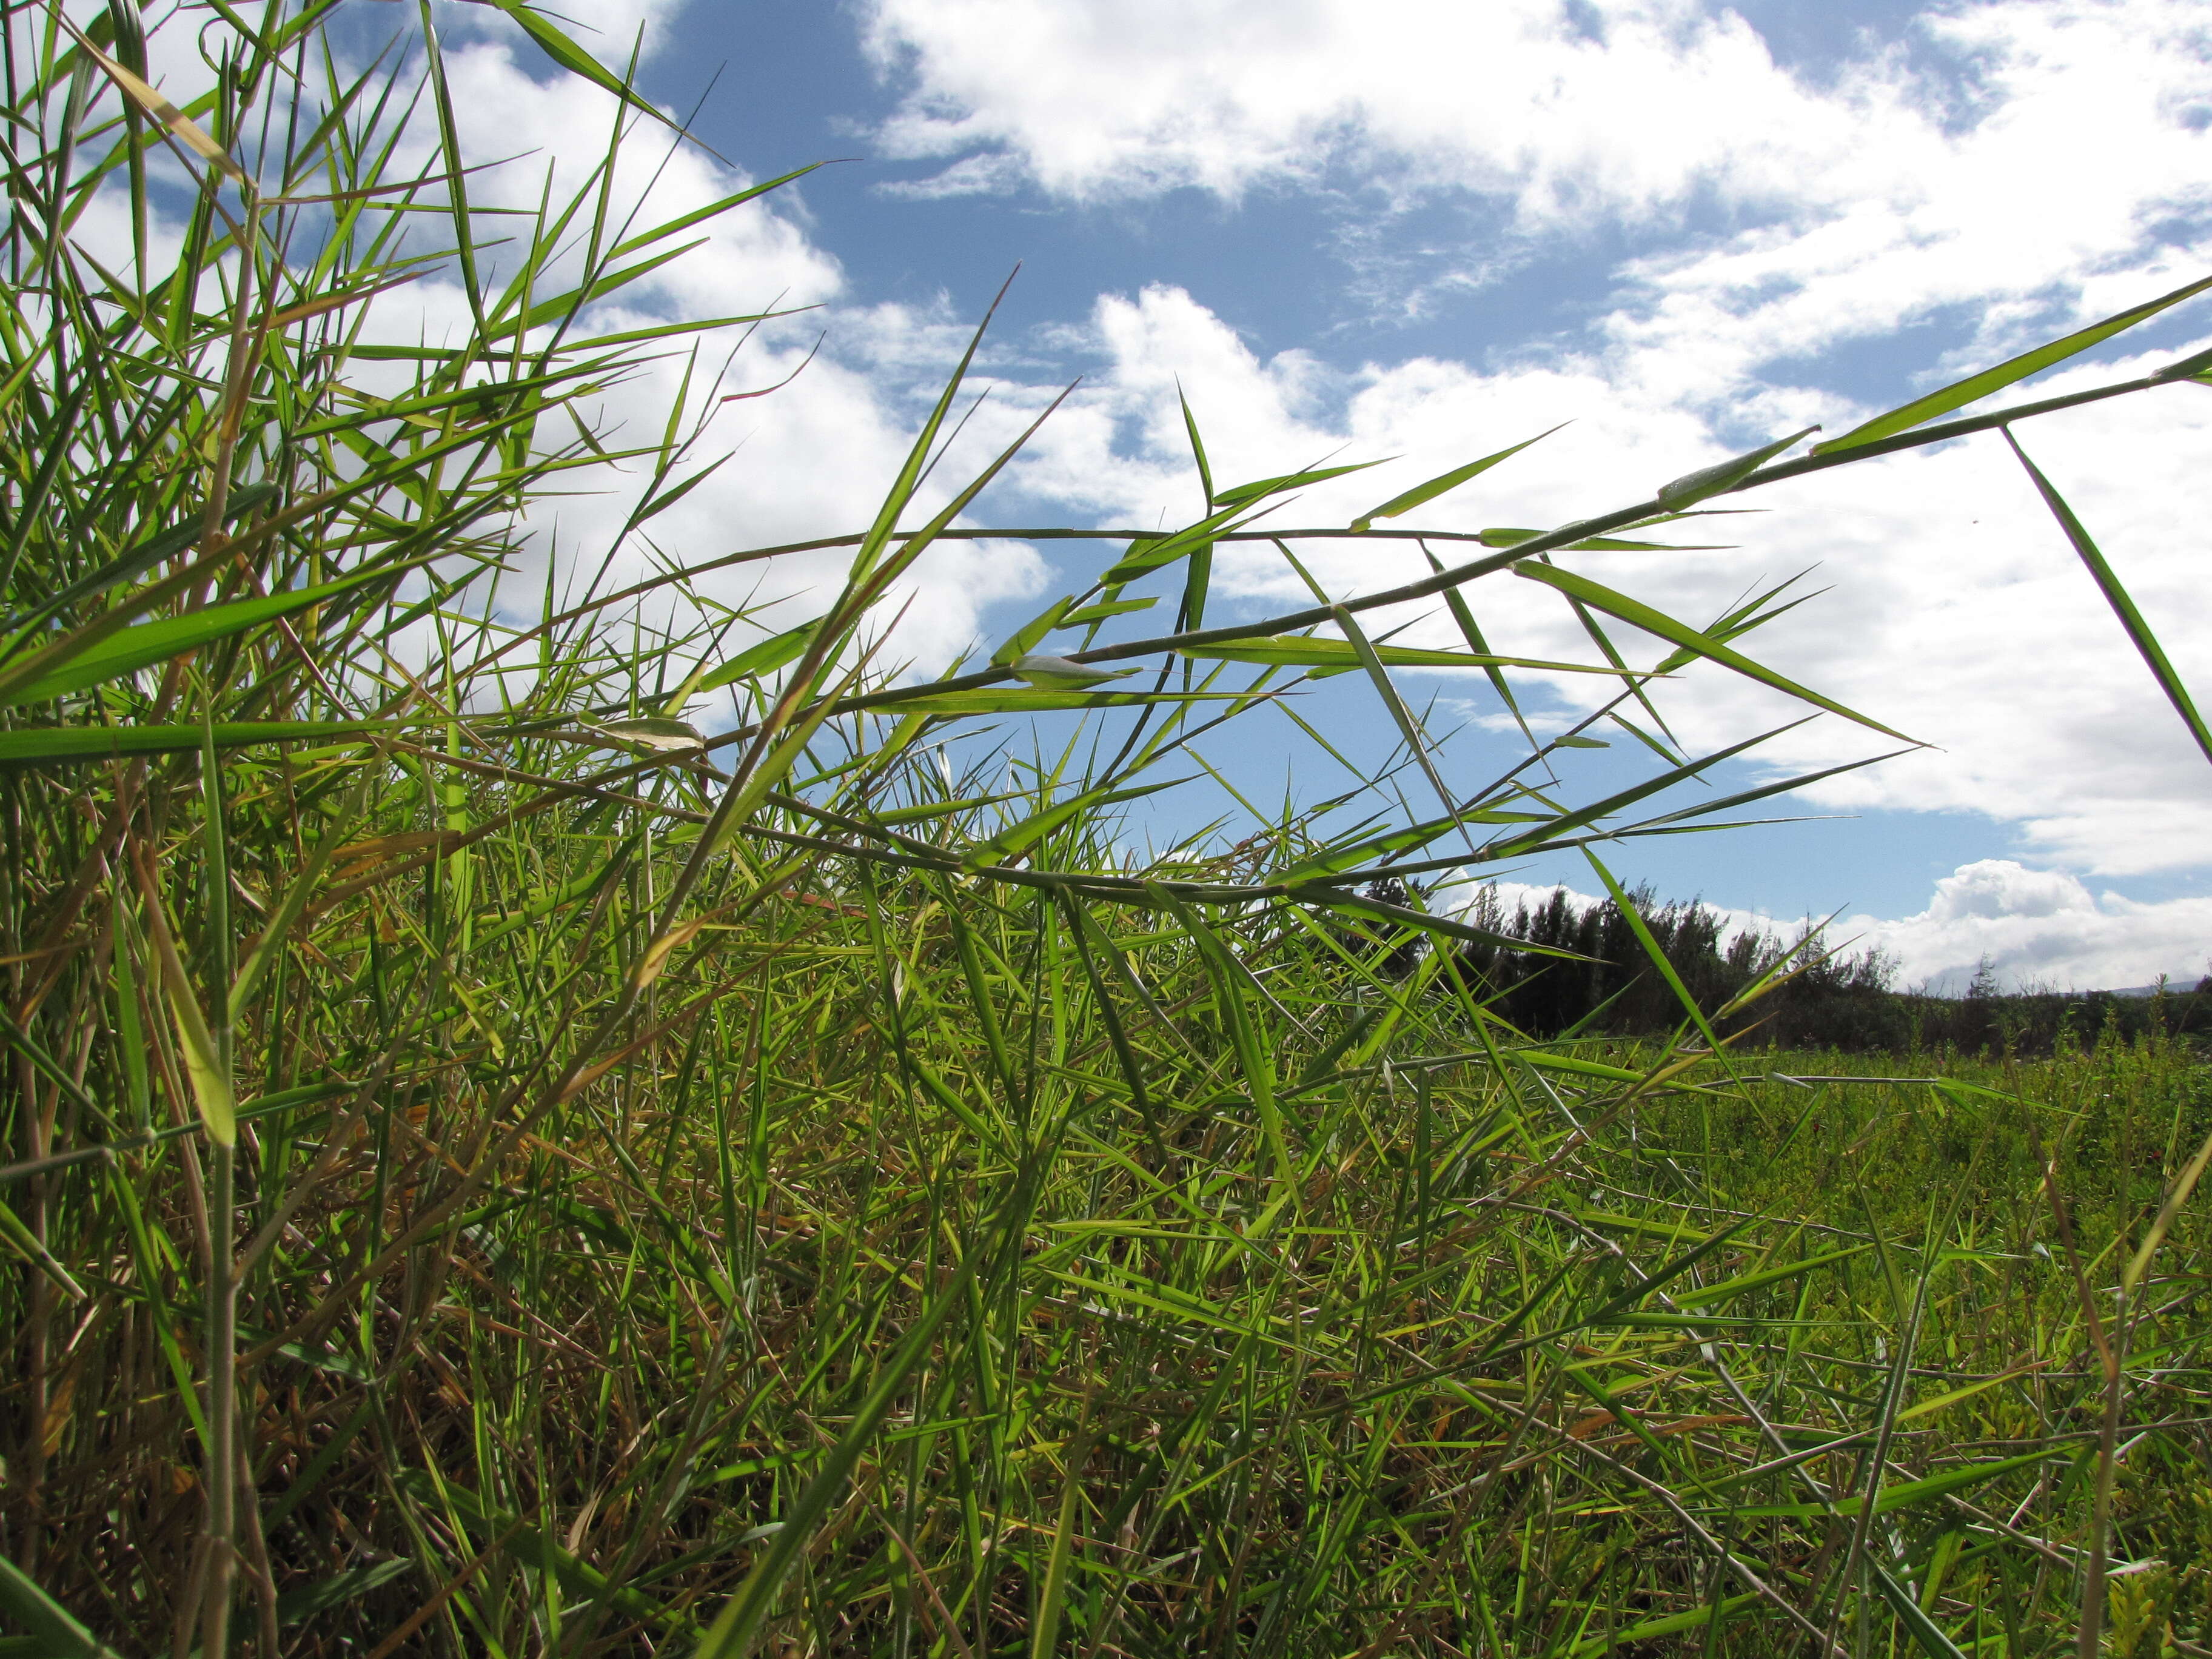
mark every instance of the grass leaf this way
{"type": "Point", "coordinates": [1639, 615]}
{"type": "Point", "coordinates": [1975, 387]}
{"type": "Point", "coordinates": [1406, 501]}
{"type": "Point", "coordinates": [2108, 583]}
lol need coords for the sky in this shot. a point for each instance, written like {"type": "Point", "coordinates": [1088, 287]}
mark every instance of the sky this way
{"type": "Point", "coordinates": [1425, 230]}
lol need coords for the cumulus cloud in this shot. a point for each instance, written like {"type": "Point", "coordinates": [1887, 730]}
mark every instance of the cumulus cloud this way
{"type": "Point", "coordinates": [2034, 163]}
{"type": "Point", "coordinates": [1122, 98]}
{"type": "Point", "coordinates": [2041, 928]}
{"type": "Point", "coordinates": [1972, 146]}
{"type": "Point", "coordinates": [2035, 160]}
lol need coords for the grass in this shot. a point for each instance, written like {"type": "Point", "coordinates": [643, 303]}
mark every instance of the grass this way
{"type": "Point", "coordinates": [551, 1120]}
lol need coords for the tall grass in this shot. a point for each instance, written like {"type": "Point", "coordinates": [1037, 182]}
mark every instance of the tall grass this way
{"type": "Point", "coordinates": [502, 1170]}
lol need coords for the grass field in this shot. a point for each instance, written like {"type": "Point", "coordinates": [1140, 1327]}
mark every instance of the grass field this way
{"type": "Point", "coordinates": [1564, 1350]}
{"type": "Point", "coordinates": [549, 1119]}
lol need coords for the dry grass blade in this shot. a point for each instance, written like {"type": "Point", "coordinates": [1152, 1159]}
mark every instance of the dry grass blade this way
{"type": "Point", "coordinates": [187, 131]}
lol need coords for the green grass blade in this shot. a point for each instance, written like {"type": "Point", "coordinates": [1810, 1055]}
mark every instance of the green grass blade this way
{"type": "Point", "coordinates": [1232, 987]}
{"type": "Point", "coordinates": [1908, 1492]}
{"type": "Point", "coordinates": [1016, 701]}
{"type": "Point", "coordinates": [1724, 476]}
{"type": "Point", "coordinates": [1633, 916]}
{"type": "Point", "coordinates": [1197, 449]}
{"type": "Point", "coordinates": [570, 56]}
{"type": "Point", "coordinates": [1244, 495]}
{"type": "Point", "coordinates": [39, 745]}
{"type": "Point", "coordinates": [1312, 651]}
{"type": "Point", "coordinates": [1926, 1633]}
{"type": "Point", "coordinates": [1639, 615]}
{"type": "Point", "coordinates": [1406, 501]}
{"type": "Point", "coordinates": [145, 644]}
{"type": "Point", "coordinates": [154, 549]}
{"type": "Point", "coordinates": [778, 651]}
{"type": "Point", "coordinates": [1975, 387]}
{"type": "Point", "coordinates": [2108, 583]}
{"type": "Point", "coordinates": [24, 1243]}
{"type": "Point", "coordinates": [739, 1625]}
{"type": "Point", "coordinates": [700, 215]}
{"type": "Point", "coordinates": [46, 1619]}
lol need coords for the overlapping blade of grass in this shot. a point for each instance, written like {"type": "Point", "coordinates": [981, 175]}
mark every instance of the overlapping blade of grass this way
{"type": "Point", "coordinates": [1975, 387]}
{"type": "Point", "coordinates": [2139, 631]}
{"type": "Point", "coordinates": [612, 1241]}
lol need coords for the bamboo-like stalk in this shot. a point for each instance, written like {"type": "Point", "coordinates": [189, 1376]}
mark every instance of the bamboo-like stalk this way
{"type": "Point", "coordinates": [219, 1470]}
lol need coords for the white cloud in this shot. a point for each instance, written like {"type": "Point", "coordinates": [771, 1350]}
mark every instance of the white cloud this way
{"type": "Point", "coordinates": [812, 459]}
{"type": "Point", "coordinates": [2059, 173]}
{"type": "Point", "coordinates": [1120, 97]}
{"type": "Point", "coordinates": [1958, 613]}
{"type": "Point", "coordinates": [2040, 928]}
{"type": "Point", "coordinates": [1941, 625]}
{"type": "Point", "coordinates": [1870, 201]}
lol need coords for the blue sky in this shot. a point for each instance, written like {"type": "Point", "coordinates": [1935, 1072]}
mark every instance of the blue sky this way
{"type": "Point", "coordinates": [1429, 229]}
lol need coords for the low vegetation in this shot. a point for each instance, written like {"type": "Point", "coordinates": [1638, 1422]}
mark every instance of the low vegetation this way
{"type": "Point", "coordinates": [515, 1154]}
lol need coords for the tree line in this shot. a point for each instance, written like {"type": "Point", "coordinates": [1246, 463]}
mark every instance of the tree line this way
{"type": "Point", "coordinates": [1607, 984]}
